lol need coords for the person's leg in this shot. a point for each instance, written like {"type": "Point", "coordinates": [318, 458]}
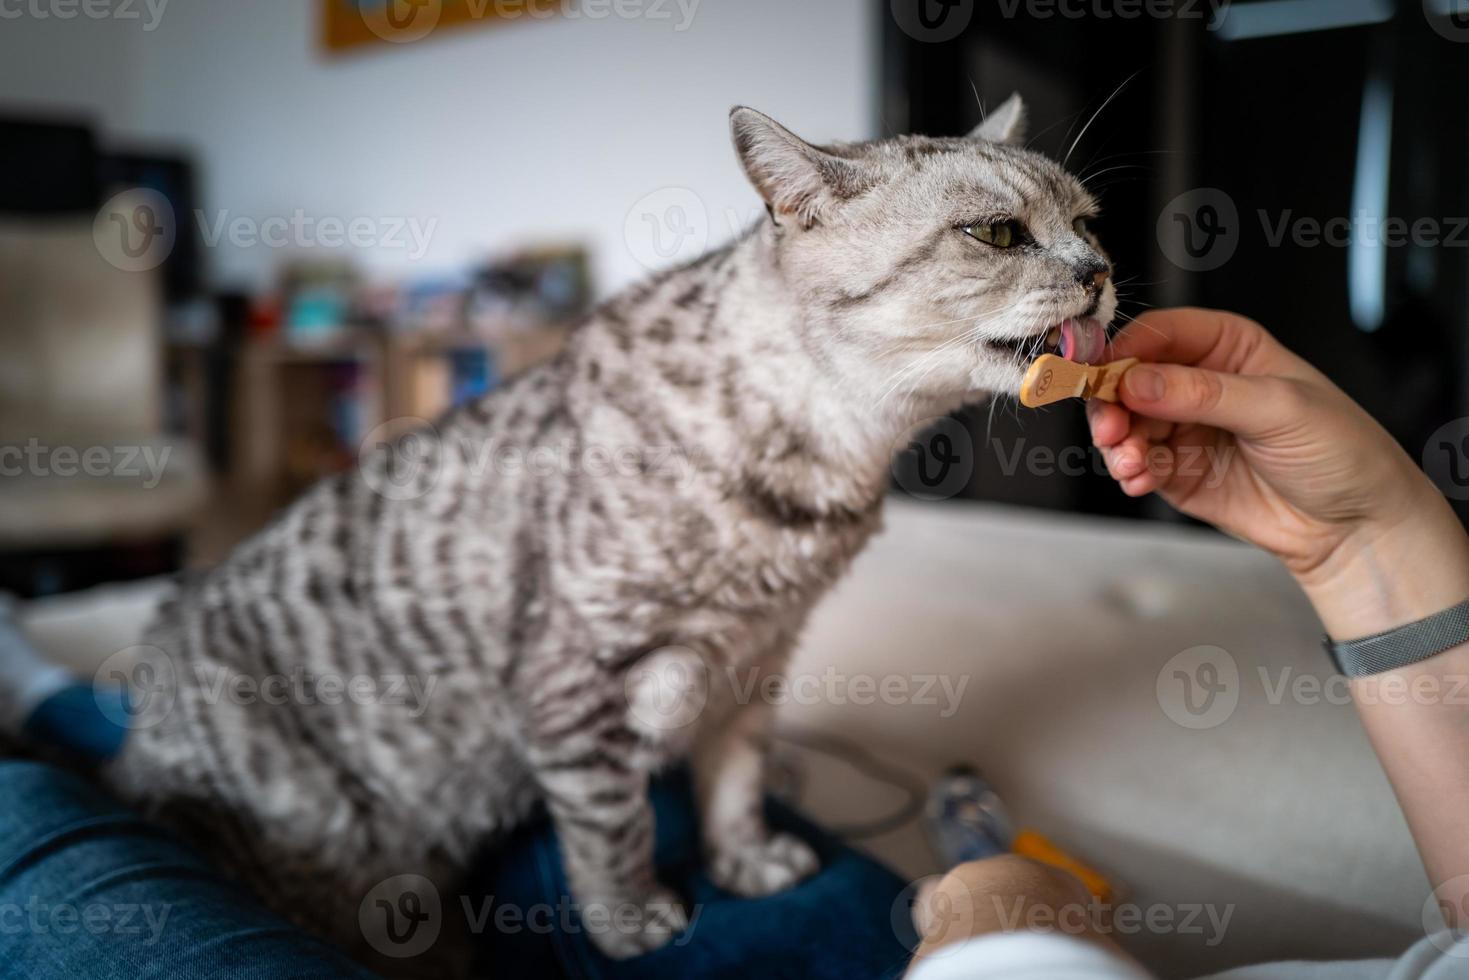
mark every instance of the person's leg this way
{"type": "Point", "coordinates": [45, 705]}
{"type": "Point", "coordinates": [90, 889]}
{"type": "Point", "coordinates": [839, 923]}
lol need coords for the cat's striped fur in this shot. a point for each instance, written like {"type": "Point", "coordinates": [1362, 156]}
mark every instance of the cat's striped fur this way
{"type": "Point", "coordinates": [741, 411]}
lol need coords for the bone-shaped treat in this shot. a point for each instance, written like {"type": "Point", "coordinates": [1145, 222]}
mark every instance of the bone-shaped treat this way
{"type": "Point", "coordinates": [1053, 379]}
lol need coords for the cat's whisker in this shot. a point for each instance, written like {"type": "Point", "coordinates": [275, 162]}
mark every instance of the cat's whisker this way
{"type": "Point", "coordinates": [1140, 323]}
{"type": "Point", "coordinates": [907, 373]}
{"type": "Point", "coordinates": [963, 319]}
{"type": "Point", "coordinates": [910, 374]}
{"type": "Point", "coordinates": [903, 374]}
{"type": "Point", "coordinates": [1108, 170]}
{"type": "Point", "coordinates": [1115, 92]}
{"type": "Point", "coordinates": [1070, 119]}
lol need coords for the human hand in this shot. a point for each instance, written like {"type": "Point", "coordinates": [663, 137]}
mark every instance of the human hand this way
{"type": "Point", "coordinates": [1006, 893]}
{"type": "Point", "coordinates": [1229, 427]}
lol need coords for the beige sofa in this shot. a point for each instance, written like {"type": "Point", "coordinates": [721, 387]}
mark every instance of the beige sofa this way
{"type": "Point", "coordinates": [1065, 634]}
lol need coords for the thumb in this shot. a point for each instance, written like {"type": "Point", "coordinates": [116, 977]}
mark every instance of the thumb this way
{"type": "Point", "coordinates": [1247, 405]}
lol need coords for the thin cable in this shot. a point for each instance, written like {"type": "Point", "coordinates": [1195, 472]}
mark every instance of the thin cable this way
{"type": "Point", "coordinates": [867, 764]}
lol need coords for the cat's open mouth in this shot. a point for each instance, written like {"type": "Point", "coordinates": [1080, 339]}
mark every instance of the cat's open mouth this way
{"type": "Point", "coordinates": [1076, 339]}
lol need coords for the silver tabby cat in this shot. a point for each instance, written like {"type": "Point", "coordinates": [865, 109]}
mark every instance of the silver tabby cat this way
{"type": "Point", "coordinates": [741, 413]}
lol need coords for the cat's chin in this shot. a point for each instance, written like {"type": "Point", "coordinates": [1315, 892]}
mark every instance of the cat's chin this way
{"type": "Point", "coordinates": [995, 377]}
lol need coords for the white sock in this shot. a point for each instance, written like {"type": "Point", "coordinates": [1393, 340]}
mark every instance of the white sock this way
{"type": "Point", "coordinates": [26, 677]}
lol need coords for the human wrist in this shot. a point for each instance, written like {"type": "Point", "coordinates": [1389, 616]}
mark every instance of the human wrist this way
{"type": "Point", "coordinates": [1388, 573]}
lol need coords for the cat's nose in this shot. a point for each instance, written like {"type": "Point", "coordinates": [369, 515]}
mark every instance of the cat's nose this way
{"type": "Point", "coordinates": [1093, 277]}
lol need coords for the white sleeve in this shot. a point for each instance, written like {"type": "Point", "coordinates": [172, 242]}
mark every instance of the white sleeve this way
{"type": "Point", "coordinates": [1025, 956]}
{"type": "Point", "coordinates": [1054, 956]}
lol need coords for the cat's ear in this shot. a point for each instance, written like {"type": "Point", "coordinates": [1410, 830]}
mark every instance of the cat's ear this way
{"type": "Point", "coordinates": [794, 177]}
{"type": "Point", "coordinates": [1005, 125]}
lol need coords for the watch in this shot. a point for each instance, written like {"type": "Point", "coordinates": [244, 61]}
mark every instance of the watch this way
{"type": "Point", "coordinates": [1402, 645]}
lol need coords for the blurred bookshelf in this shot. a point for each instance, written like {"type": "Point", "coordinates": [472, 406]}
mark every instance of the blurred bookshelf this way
{"type": "Point", "coordinates": [302, 410]}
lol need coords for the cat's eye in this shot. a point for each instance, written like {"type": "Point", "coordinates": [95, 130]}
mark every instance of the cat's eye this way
{"type": "Point", "coordinates": [1000, 234]}
{"type": "Point", "coordinates": [1079, 226]}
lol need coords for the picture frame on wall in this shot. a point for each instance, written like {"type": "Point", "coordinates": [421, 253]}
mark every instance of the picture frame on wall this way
{"type": "Point", "coordinates": [352, 25]}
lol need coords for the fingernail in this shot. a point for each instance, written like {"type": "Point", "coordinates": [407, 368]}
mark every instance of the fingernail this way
{"type": "Point", "coordinates": [1144, 384]}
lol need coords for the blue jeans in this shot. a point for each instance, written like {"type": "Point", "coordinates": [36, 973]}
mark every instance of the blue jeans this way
{"type": "Point", "coordinates": [89, 889]}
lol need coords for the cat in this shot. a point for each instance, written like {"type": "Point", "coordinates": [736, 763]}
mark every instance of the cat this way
{"type": "Point", "coordinates": [743, 411]}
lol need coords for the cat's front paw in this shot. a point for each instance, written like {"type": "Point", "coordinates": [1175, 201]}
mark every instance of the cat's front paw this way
{"type": "Point", "coordinates": [624, 928]}
{"type": "Point", "coordinates": [763, 868]}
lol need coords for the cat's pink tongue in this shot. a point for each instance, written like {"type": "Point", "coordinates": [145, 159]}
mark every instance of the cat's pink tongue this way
{"type": "Point", "coordinates": [1083, 340]}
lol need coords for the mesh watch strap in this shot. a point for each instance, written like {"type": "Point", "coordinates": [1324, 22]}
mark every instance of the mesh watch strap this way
{"type": "Point", "coordinates": [1404, 645]}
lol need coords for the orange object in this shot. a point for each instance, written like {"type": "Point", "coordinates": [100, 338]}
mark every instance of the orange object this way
{"type": "Point", "coordinates": [1030, 844]}
{"type": "Point", "coordinates": [1052, 379]}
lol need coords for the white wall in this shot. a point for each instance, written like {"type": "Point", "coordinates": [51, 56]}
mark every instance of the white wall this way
{"type": "Point", "coordinates": [74, 67]}
{"type": "Point", "coordinates": [529, 131]}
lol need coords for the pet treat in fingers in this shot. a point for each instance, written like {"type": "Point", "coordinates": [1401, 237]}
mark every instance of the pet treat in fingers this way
{"type": "Point", "coordinates": [1052, 379]}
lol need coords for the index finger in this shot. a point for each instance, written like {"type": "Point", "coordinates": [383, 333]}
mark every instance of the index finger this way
{"type": "Point", "coordinates": [1193, 337]}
